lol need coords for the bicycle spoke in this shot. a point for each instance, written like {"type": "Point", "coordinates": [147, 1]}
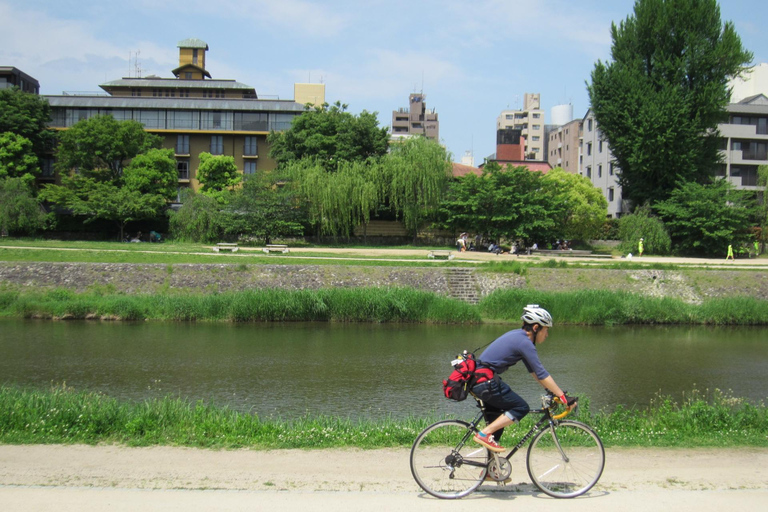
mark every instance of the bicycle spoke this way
{"type": "Point", "coordinates": [567, 461]}
{"type": "Point", "coordinates": [444, 464]}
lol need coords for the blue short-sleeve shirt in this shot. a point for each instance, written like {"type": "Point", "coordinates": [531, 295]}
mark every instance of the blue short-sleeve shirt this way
{"type": "Point", "coordinates": [508, 349]}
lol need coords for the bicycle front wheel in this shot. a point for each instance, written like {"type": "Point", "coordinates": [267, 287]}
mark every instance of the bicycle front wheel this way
{"type": "Point", "coordinates": [446, 462]}
{"type": "Point", "coordinates": [567, 460]}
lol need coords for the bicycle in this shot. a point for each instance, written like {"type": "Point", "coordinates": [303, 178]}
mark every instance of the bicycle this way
{"type": "Point", "coordinates": [565, 457]}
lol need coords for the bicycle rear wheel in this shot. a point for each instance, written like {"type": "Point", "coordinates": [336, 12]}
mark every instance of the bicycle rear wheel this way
{"type": "Point", "coordinates": [566, 461]}
{"type": "Point", "coordinates": [446, 462]}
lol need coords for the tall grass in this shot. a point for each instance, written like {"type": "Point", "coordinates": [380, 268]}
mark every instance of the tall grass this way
{"type": "Point", "coordinates": [604, 307]}
{"type": "Point", "coordinates": [264, 305]}
{"type": "Point", "coordinates": [62, 415]}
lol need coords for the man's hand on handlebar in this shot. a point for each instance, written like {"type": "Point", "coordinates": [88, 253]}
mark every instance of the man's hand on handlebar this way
{"type": "Point", "coordinates": [568, 401]}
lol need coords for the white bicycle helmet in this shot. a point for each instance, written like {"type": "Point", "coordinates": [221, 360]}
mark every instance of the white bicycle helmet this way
{"type": "Point", "coordinates": [533, 314]}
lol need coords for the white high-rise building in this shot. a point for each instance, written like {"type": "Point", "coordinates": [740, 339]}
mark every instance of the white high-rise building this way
{"type": "Point", "coordinates": [754, 82]}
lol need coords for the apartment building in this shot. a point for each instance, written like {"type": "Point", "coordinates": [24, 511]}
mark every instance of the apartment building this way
{"type": "Point", "coordinates": [744, 144]}
{"type": "Point", "coordinates": [596, 163]}
{"type": "Point", "coordinates": [14, 77]}
{"type": "Point", "coordinates": [416, 119]}
{"type": "Point", "coordinates": [193, 113]}
{"type": "Point", "coordinates": [530, 122]}
{"type": "Point", "coordinates": [563, 145]}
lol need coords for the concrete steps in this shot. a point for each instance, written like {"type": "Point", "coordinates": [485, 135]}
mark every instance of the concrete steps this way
{"type": "Point", "coordinates": [462, 284]}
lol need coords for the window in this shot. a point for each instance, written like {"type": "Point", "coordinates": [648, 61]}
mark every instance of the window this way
{"type": "Point", "coordinates": [182, 167]}
{"type": "Point", "coordinates": [47, 169]}
{"type": "Point", "coordinates": [135, 91]}
{"type": "Point", "coordinates": [600, 146]}
{"type": "Point", "coordinates": [188, 75]}
{"type": "Point", "coordinates": [182, 144]}
{"type": "Point", "coordinates": [509, 116]}
{"type": "Point", "coordinates": [536, 116]}
{"type": "Point", "coordinates": [589, 148]}
{"type": "Point", "coordinates": [250, 147]}
{"type": "Point", "coordinates": [194, 56]}
{"type": "Point", "coordinates": [217, 145]}
{"type": "Point", "coordinates": [182, 119]}
{"type": "Point", "coordinates": [151, 118]}
{"type": "Point", "coordinates": [589, 172]}
{"type": "Point", "coordinates": [610, 195]}
{"type": "Point", "coordinates": [600, 171]}
{"type": "Point", "coordinates": [589, 125]}
{"type": "Point", "coordinates": [250, 167]}
{"type": "Point", "coordinates": [610, 168]}
{"type": "Point", "coordinates": [535, 138]}
{"type": "Point", "coordinates": [537, 127]}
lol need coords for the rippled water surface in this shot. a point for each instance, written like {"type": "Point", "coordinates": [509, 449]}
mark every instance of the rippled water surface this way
{"type": "Point", "coordinates": [289, 370]}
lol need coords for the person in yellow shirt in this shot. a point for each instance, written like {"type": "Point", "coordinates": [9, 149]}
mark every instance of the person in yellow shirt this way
{"type": "Point", "coordinates": [730, 252]}
{"type": "Point", "coordinates": [640, 247]}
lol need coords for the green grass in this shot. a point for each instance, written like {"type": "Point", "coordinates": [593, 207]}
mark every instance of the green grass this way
{"type": "Point", "coordinates": [62, 415]}
{"type": "Point", "coordinates": [605, 307]}
{"type": "Point", "coordinates": [263, 305]}
{"type": "Point", "coordinates": [583, 307]}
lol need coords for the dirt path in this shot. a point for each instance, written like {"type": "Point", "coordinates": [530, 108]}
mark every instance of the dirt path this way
{"type": "Point", "coordinates": [85, 478]}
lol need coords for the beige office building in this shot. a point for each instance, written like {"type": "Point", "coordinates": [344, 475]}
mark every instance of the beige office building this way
{"type": "Point", "coordinates": [192, 112]}
{"type": "Point", "coordinates": [530, 121]}
{"type": "Point", "coordinates": [563, 146]}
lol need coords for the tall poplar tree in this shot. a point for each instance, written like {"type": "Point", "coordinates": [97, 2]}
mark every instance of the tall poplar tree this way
{"type": "Point", "coordinates": [659, 101]}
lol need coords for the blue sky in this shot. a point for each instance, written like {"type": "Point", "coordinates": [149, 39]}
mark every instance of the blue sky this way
{"type": "Point", "coordinates": [472, 59]}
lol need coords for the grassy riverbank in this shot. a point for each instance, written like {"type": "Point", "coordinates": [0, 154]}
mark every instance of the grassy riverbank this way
{"type": "Point", "coordinates": [586, 307]}
{"type": "Point", "coordinates": [61, 415]}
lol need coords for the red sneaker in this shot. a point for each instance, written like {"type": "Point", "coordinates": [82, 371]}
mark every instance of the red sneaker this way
{"type": "Point", "coordinates": [489, 442]}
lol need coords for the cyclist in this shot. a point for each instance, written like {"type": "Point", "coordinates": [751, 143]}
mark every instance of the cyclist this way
{"type": "Point", "coordinates": [503, 407]}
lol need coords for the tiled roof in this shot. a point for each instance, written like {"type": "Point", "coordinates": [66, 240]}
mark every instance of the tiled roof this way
{"type": "Point", "coordinates": [193, 43]}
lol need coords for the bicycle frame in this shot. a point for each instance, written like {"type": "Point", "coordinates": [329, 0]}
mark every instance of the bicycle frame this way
{"type": "Point", "coordinates": [546, 419]}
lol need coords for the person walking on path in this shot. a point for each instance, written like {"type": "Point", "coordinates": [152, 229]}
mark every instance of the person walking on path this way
{"type": "Point", "coordinates": [757, 248]}
{"type": "Point", "coordinates": [640, 247]}
{"type": "Point", "coordinates": [730, 252]}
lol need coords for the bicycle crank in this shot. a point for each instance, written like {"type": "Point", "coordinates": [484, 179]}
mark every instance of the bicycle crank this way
{"type": "Point", "coordinates": [499, 468]}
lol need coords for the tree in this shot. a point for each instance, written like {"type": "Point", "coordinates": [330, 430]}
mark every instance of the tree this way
{"type": "Point", "coordinates": [26, 115]}
{"type": "Point", "coordinates": [417, 171]}
{"type": "Point", "coordinates": [643, 224]}
{"type": "Point", "coordinates": [705, 219]}
{"type": "Point", "coordinates": [582, 205]}
{"type": "Point", "coordinates": [95, 199]}
{"type": "Point", "coordinates": [660, 99]}
{"type": "Point", "coordinates": [17, 158]}
{"type": "Point", "coordinates": [510, 203]}
{"type": "Point", "coordinates": [331, 135]}
{"type": "Point", "coordinates": [153, 172]}
{"type": "Point", "coordinates": [337, 202]}
{"type": "Point", "coordinates": [19, 210]}
{"type": "Point", "coordinates": [218, 175]}
{"type": "Point", "coordinates": [101, 147]}
{"type": "Point", "coordinates": [265, 208]}
{"type": "Point", "coordinates": [762, 179]}
{"type": "Point", "coordinates": [199, 219]}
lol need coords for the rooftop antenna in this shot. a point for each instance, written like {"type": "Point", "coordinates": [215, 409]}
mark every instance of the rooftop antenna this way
{"type": "Point", "coordinates": [422, 81]}
{"type": "Point", "coordinates": [137, 65]}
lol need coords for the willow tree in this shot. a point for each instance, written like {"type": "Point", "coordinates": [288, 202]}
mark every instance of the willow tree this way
{"type": "Point", "coordinates": [417, 173]}
{"type": "Point", "coordinates": [338, 201]}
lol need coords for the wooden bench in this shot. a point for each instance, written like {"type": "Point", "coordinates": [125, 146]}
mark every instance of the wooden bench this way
{"type": "Point", "coordinates": [225, 247]}
{"type": "Point", "coordinates": [441, 255]}
{"type": "Point", "coordinates": [276, 248]}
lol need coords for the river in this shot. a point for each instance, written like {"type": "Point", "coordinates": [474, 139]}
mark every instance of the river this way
{"type": "Point", "coordinates": [368, 370]}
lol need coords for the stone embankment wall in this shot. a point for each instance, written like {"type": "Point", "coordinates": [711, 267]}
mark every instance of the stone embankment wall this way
{"type": "Point", "coordinates": [468, 284]}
